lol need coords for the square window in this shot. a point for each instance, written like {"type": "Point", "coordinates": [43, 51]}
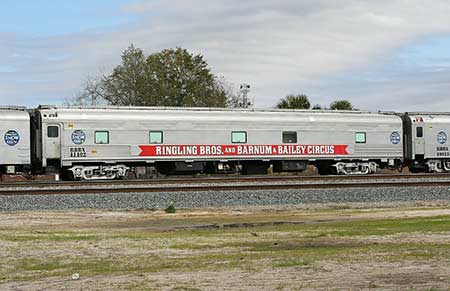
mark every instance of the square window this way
{"type": "Point", "coordinates": [289, 137]}
{"type": "Point", "coordinates": [156, 137]}
{"type": "Point", "coordinates": [239, 137]}
{"type": "Point", "coordinates": [360, 137]}
{"type": "Point", "coordinates": [102, 137]}
{"type": "Point", "coordinates": [52, 131]}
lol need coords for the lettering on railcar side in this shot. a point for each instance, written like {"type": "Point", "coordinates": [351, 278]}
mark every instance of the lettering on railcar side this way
{"type": "Point", "coordinates": [443, 152]}
{"type": "Point", "coordinates": [242, 150]}
{"type": "Point", "coordinates": [77, 152]}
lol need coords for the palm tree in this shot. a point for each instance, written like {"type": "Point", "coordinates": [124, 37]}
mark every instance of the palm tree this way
{"type": "Point", "coordinates": [299, 101]}
{"type": "Point", "coordinates": [341, 105]}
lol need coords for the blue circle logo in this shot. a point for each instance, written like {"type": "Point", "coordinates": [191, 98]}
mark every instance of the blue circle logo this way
{"type": "Point", "coordinates": [12, 137]}
{"type": "Point", "coordinates": [442, 137]}
{"type": "Point", "coordinates": [395, 137]}
{"type": "Point", "coordinates": [78, 137]}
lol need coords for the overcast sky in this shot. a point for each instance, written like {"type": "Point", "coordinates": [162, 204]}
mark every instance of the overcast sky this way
{"type": "Point", "coordinates": [380, 55]}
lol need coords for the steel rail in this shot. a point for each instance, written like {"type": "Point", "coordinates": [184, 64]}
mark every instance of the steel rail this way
{"type": "Point", "coordinates": [220, 187]}
{"type": "Point", "coordinates": [219, 179]}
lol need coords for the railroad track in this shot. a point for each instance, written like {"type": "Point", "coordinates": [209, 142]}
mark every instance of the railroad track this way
{"type": "Point", "coordinates": [222, 179]}
{"type": "Point", "coordinates": [225, 184]}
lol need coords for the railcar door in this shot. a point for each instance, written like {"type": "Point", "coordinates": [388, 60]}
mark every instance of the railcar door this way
{"type": "Point", "coordinates": [419, 141]}
{"type": "Point", "coordinates": [52, 141]}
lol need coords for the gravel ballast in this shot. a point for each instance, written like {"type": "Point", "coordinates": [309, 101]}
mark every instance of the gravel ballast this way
{"type": "Point", "coordinates": [158, 200]}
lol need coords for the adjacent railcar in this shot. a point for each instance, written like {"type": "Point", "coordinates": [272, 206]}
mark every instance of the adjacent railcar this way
{"type": "Point", "coordinates": [105, 143]}
{"type": "Point", "coordinates": [427, 147]}
{"type": "Point", "coordinates": [15, 153]}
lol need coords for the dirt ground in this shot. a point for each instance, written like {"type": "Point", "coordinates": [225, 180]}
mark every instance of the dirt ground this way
{"type": "Point", "coordinates": [308, 247]}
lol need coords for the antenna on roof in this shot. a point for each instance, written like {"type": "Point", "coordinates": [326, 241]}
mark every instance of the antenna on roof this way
{"type": "Point", "coordinates": [243, 95]}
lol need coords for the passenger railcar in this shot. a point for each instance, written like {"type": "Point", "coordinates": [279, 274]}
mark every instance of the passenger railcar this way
{"type": "Point", "coordinates": [426, 137]}
{"type": "Point", "coordinates": [106, 143]}
{"type": "Point", "coordinates": [15, 153]}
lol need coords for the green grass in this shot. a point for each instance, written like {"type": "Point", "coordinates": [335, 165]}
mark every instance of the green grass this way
{"type": "Point", "coordinates": [52, 237]}
{"type": "Point", "coordinates": [254, 248]}
{"type": "Point", "coordinates": [251, 255]}
{"type": "Point", "coordinates": [313, 230]}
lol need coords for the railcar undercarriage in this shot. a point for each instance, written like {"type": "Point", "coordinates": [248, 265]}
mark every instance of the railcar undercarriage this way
{"type": "Point", "coordinates": [355, 168]}
{"type": "Point", "coordinates": [249, 167]}
{"type": "Point", "coordinates": [100, 172]}
{"type": "Point", "coordinates": [438, 166]}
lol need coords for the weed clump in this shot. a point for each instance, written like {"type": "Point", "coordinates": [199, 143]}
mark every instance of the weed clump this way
{"type": "Point", "coordinates": [170, 209]}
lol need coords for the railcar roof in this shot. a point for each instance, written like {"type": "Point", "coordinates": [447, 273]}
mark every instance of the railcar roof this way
{"type": "Point", "coordinates": [203, 109]}
{"type": "Point", "coordinates": [14, 113]}
{"type": "Point", "coordinates": [428, 113]}
{"type": "Point", "coordinates": [12, 107]}
{"type": "Point", "coordinates": [259, 116]}
{"type": "Point", "coordinates": [430, 117]}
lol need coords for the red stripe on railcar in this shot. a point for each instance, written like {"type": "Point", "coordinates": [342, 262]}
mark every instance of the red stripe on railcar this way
{"type": "Point", "coordinates": [241, 150]}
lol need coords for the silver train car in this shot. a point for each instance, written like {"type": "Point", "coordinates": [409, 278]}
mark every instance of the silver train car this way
{"type": "Point", "coordinates": [111, 142]}
{"type": "Point", "coordinates": [426, 136]}
{"type": "Point", "coordinates": [15, 148]}
{"type": "Point", "coordinates": [107, 143]}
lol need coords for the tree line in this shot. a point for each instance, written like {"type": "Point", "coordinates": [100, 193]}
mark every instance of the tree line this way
{"type": "Point", "coordinates": [172, 77]}
{"type": "Point", "coordinates": [301, 101]}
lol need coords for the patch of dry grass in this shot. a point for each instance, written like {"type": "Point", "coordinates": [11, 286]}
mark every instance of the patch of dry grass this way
{"type": "Point", "coordinates": [146, 244]}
